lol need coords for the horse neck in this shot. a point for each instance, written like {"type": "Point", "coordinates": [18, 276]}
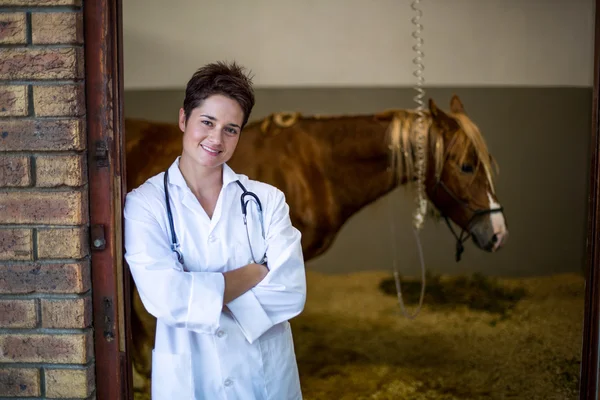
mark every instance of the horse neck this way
{"type": "Point", "coordinates": [370, 158]}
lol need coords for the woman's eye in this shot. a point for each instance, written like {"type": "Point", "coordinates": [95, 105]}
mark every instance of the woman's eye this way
{"type": "Point", "coordinates": [207, 123]}
{"type": "Point", "coordinates": [467, 168]}
{"type": "Point", "coordinates": [231, 130]}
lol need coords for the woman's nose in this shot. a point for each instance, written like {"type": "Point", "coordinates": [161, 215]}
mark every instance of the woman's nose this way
{"type": "Point", "coordinates": [216, 136]}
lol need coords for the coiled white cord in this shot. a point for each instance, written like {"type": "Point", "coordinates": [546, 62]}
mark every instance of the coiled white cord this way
{"type": "Point", "coordinates": [420, 165]}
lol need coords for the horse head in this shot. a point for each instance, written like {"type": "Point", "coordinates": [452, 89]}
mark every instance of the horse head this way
{"type": "Point", "coordinates": [459, 180]}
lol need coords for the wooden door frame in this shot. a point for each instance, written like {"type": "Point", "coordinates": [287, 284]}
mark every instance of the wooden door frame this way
{"type": "Point", "coordinates": [106, 170]}
{"type": "Point", "coordinates": [107, 189]}
{"type": "Point", "coordinates": [589, 371]}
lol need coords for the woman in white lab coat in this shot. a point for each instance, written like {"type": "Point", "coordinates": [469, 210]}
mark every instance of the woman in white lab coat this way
{"type": "Point", "coordinates": [223, 307]}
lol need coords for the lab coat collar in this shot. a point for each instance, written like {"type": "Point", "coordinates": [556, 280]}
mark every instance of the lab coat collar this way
{"type": "Point", "coordinates": [176, 177]}
{"type": "Point", "coordinates": [228, 175]}
{"type": "Point", "coordinates": [189, 200]}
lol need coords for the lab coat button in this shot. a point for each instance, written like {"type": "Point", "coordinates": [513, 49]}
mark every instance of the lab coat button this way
{"type": "Point", "coordinates": [211, 238]}
{"type": "Point", "coordinates": [228, 382]}
{"type": "Point", "coordinates": [220, 333]}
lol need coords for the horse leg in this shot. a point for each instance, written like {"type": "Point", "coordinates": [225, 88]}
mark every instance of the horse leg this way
{"type": "Point", "coordinates": [143, 326]}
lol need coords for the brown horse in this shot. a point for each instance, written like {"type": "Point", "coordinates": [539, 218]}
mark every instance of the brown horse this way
{"type": "Point", "coordinates": [331, 167]}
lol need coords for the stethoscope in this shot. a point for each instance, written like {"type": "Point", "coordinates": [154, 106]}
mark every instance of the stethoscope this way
{"type": "Point", "coordinates": [244, 203]}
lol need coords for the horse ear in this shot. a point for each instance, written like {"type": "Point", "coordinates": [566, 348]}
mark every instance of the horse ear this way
{"type": "Point", "coordinates": [433, 108]}
{"type": "Point", "coordinates": [437, 114]}
{"type": "Point", "coordinates": [440, 118]}
{"type": "Point", "coordinates": [456, 106]}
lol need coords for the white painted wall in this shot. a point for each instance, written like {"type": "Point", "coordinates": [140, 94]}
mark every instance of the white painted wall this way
{"type": "Point", "coordinates": [290, 43]}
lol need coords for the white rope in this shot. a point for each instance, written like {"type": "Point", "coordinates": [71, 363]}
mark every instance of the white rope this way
{"type": "Point", "coordinates": [420, 166]}
{"type": "Point", "coordinates": [420, 212]}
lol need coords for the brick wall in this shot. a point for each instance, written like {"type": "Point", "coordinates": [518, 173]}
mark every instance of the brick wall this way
{"type": "Point", "coordinates": [46, 342]}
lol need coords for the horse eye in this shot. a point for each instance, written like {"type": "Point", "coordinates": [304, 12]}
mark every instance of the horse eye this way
{"type": "Point", "coordinates": [467, 168]}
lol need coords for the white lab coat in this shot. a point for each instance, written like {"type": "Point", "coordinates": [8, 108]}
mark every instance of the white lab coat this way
{"type": "Point", "coordinates": [201, 352]}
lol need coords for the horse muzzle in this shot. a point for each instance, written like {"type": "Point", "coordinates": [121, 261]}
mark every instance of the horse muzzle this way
{"type": "Point", "coordinates": [490, 233]}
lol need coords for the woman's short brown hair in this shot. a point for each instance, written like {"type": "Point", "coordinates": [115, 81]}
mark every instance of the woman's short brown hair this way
{"type": "Point", "coordinates": [219, 78]}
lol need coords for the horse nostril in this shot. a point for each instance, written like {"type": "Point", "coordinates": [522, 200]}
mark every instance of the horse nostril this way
{"type": "Point", "coordinates": [494, 238]}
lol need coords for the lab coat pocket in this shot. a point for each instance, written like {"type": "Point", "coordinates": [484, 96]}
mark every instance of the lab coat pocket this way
{"type": "Point", "coordinates": [279, 363]}
{"type": "Point", "coordinates": [171, 376]}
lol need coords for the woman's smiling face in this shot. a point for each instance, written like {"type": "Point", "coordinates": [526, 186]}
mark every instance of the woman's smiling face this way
{"type": "Point", "coordinates": [212, 131]}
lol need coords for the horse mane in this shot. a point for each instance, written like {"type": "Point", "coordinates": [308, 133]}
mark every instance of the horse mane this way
{"type": "Point", "coordinates": [404, 129]}
{"type": "Point", "coordinates": [402, 133]}
{"type": "Point", "coordinates": [474, 139]}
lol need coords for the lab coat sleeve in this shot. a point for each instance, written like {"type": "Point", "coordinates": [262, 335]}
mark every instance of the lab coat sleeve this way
{"type": "Point", "coordinates": [281, 295]}
{"type": "Point", "coordinates": [191, 300]}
